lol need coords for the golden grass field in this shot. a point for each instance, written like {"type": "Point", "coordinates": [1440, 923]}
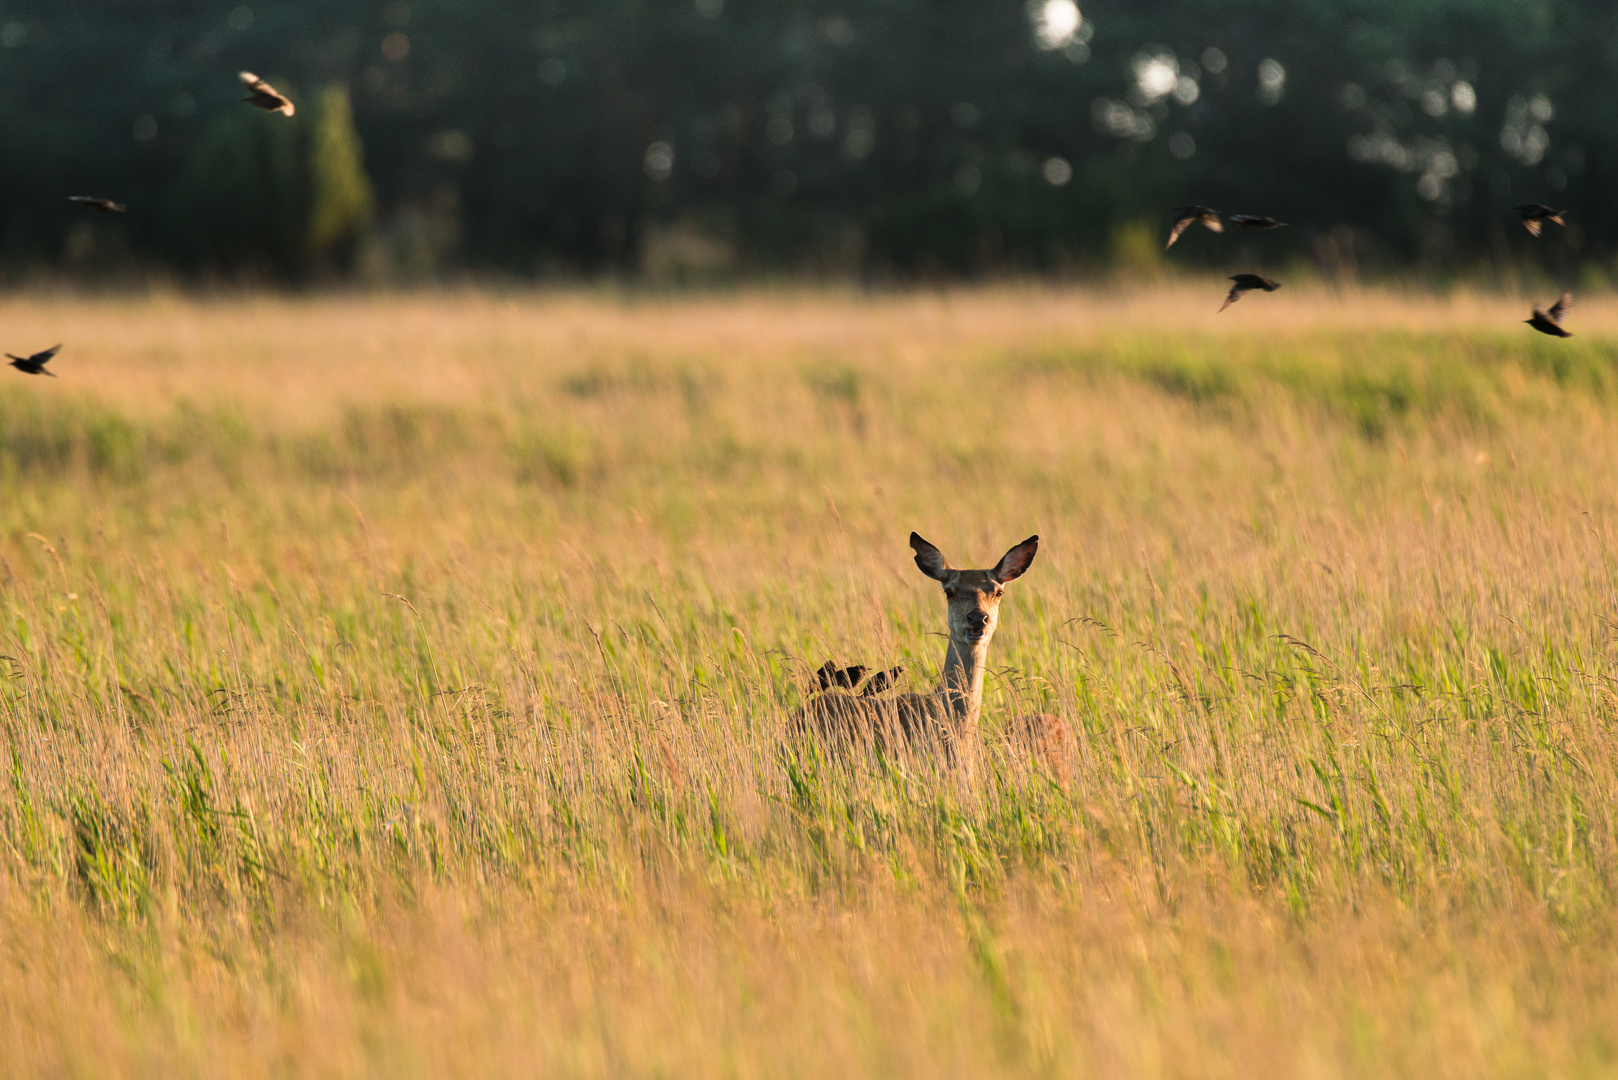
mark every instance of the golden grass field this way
{"type": "Point", "coordinates": [396, 686]}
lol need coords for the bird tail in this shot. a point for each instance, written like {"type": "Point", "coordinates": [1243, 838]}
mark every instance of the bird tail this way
{"type": "Point", "coordinates": [1558, 219]}
{"type": "Point", "coordinates": [47, 371]}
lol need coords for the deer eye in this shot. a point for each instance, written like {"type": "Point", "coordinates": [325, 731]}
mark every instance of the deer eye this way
{"type": "Point", "coordinates": [999, 592]}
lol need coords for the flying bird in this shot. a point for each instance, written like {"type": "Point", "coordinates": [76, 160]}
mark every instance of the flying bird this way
{"type": "Point", "coordinates": [1256, 221]}
{"type": "Point", "coordinates": [1550, 322]}
{"type": "Point", "coordinates": [1534, 215]}
{"type": "Point", "coordinates": [1184, 216]}
{"type": "Point", "coordinates": [265, 96]}
{"type": "Point", "coordinates": [1247, 283]}
{"type": "Point", "coordinates": [35, 365]}
{"type": "Point", "coordinates": [97, 205]}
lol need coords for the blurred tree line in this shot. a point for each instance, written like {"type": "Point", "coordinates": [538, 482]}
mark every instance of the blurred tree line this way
{"type": "Point", "coordinates": [715, 137]}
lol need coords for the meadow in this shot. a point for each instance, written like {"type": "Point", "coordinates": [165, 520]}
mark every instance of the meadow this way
{"type": "Point", "coordinates": [397, 686]}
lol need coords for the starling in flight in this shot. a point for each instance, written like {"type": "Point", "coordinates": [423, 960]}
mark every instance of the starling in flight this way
{"type": "Point", "coordinates": [1256, 221]}
{"type": "Point", "coordinates": [265, 96]}
{"type": "Point", "coordinates": [1185, 215]}
{"type": "Point", "coordinates": [35, 365]}
{"type": "Point", "coordinates": [1247, 283]}
{"type": "Point", "coordinates": [1533, 215]}
{"type": "Point", "coordinates": [97, 205]}
{"type": "Point", "coordinates": [1550, 322]}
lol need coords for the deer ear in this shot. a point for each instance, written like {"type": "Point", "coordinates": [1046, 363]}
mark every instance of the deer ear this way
{"type": "Point", "coordinates": [1015, 563]}
{"type": "Point", "coordinates": [929, 558]}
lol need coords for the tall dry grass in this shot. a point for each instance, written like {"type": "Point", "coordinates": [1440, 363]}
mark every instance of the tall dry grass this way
{"type": "Point", "coordinates": [396, 687]}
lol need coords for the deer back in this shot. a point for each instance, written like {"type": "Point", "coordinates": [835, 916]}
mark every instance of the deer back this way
{"type": "Point", "coordinates": [847, 721]}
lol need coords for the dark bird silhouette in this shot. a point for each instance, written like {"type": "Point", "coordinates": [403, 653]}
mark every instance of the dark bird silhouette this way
{"type": "Point", "coordinates": [831, 676]}
{"type": "Point", "coordinates": [1550, 322]}
{"type": "Point", "coordinates": [1534, 215]}
{"type": "Point", "coordinates": [35, 365]}
{"type": "Point", "coordinates": [1247, 283]}
{"type": "Point", "coordinates": [1256, 221]}
{"type": "Point", "coordinates": [882, 681]}
{"type": "Point", "coordinates": [97, 205]}
{"type": "Point", "coordinates": [265, 96]}
{"type": "Point", "coordinates": [1184, 216]}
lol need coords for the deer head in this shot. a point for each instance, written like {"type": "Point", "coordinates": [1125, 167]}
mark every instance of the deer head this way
{"type": "Point", "coordinates": [974, 595]}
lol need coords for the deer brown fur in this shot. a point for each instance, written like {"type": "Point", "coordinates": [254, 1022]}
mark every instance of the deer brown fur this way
{"type": "Point", "coordinates": [945, 723]}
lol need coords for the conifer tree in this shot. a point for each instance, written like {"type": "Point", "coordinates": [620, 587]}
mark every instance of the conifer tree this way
{"type": "Point", "coordinates": [340, 199]}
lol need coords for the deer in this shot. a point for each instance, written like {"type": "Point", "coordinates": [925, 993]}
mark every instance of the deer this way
{"type": "Point", "coordinates": [945, 723]}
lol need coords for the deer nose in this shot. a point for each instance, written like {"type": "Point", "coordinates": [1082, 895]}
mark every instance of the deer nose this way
{"type": "Point", "coordinates": [978, 619]}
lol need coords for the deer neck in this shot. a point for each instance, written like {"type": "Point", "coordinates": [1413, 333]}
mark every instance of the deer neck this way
{"type": "Point", "coordinates": [962, 691]}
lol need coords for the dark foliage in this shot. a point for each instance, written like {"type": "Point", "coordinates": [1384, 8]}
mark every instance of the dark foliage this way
{"type": "Point", "coordinates": [917, 136]}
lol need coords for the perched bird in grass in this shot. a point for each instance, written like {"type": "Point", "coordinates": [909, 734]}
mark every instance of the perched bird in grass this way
{"type": "Point", "coordinates": [830, 675]}
{"type": "Point", "coordinates": [1245, 283]}
{"type": "Point", "coordinates": [97, 205]}
{"type": "Point", "coordinates": [1534, 215]}
{"type": "Point", "coordinates": [1184, 216]}
{"type": "Point", "coordinates": [35, 365]}
{"type": "Point", "coordinates": [1256, 221]}
{"type": "Point", "coordinates": [265, 96]}
{"type": "Point", "coordinates": [882, 682]}
{"type": "Point", "coordinates": [1550, 322]}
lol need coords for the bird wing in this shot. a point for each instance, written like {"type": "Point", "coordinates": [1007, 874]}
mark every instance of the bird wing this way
{"type": "Point", "coordinates": [1211, 220]}
{"type": "Point", "coordinates": [45, 357]}
{"type": "Point", "coordinates": [1180, 226]}
{"type": "Point", "coordinates": [266, 96]}
{"type": "Point", "coordinates": [276, 101]}
{"type": "Point", "coordinates": [1236, 291]}
{"type": "Point", "coordinates": [1532, 225]}
{"type": "Point", "coordinates": [1560, 308]}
